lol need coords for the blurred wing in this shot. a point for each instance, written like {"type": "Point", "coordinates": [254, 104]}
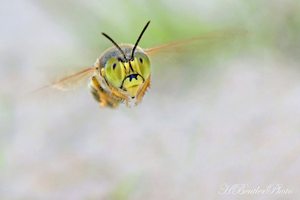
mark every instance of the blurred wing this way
{"type": "Point", "coordinates": [205, 37]}
{"type": "Point", "coordinates": [70, 81]}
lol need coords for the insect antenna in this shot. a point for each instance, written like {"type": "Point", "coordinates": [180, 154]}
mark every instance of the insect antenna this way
{"type": "Point", "coordinates": [118, 47]}
{"type": "Point", "coordinates": [139, 38]}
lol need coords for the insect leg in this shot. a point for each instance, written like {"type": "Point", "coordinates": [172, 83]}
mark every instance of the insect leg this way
{"type": "Point", "coordinates": [101, 95]}
{"type": "Point", "coordinates": [118, 94]}
{"type": "Point", "coordinates": [143, 90]}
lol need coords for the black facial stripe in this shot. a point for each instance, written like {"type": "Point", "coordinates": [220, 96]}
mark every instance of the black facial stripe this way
{"type": "Point", "coordinates": [131, 76]}
{"type": "Point", "coordinates": [135, 76]}
{"type": "Point", "coordinates": [131, 66]}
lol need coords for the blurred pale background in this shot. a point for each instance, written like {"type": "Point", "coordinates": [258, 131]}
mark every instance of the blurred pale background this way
{"type": "Point", "coordinates": [220, 112]}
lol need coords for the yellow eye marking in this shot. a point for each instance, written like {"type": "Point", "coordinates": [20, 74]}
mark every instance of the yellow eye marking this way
{"type": "Point", "coordinates": [102, 72]}
{"type": "Point", "coordinates": [136, 65]}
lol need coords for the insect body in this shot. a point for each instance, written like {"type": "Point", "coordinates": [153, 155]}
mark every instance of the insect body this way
{"type": "Point", "coordinates": [123, 72]}
{"type": "Point", "coordinates": [118, 79]}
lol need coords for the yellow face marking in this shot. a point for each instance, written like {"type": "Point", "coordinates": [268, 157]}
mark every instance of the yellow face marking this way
{"type": "Point", "coordinates": [133, 79]}
{"type": "Point", "coordinates": [128, 76]}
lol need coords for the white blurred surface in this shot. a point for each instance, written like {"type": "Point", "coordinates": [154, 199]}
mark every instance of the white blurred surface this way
{"type": "Point", "coordinates": [231, 123]}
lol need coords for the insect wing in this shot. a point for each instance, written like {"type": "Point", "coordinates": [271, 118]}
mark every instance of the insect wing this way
{"type": "Point", "coordinates": [71, 81]}
{"type": "Point", "coordinates": [208, 37]}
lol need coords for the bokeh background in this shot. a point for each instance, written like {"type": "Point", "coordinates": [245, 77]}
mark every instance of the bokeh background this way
{"type": "Point", "coordinates": [222, 111]}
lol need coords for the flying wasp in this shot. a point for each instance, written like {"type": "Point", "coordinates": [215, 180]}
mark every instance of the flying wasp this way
{"type": "Point", "coordinates": [122, 74]}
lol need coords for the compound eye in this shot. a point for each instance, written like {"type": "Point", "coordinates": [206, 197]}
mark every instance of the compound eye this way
{"type": "Point", "coordinates": [143, 65]}
{"type": "Point", "coordinates": [114, 72]}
